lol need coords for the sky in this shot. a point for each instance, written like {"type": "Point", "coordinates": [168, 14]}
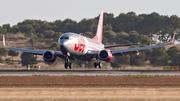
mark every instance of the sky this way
{"type": "Point", "coordinates": [14, 11]}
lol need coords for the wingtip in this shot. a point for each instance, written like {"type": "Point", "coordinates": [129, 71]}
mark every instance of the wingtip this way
{"type": "Point", "coordinates": [4, 44]}
{"type": "Point", "coordinates": [172, 39]}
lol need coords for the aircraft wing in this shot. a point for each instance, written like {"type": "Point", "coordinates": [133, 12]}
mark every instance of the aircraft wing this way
{"type": "Point", "coordinates": [36, 52]}
{"type": "Point", "coordinates": [109, 46]}
{"type": "Point", "coordinates": [139, 49]}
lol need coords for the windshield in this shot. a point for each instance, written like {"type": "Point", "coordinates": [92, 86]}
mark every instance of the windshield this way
{"type": "Point", "coordinates": [64, 38]}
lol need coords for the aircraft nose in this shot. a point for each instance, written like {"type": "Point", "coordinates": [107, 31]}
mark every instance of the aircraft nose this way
{"type": "Point", "coordinates": [63, 45]}
{"type": "Point", "coordinates": [63, 42]}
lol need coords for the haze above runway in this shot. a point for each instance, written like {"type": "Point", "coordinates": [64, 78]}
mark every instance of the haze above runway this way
{"type": "Point", "coordinates": [87, 72]}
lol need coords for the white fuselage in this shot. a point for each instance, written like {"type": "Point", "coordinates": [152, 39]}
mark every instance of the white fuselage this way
{"type": "Point", "coordinates": [78, 45]}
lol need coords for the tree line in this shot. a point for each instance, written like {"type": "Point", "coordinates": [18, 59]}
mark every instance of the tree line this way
{"type": "Point", "coordinates": [146, 24]}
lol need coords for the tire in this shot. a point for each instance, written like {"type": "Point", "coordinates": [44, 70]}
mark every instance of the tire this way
{"type": "Point", "coordinates": [66, 65]}
{"type": "Point", "coordinates": [100, 65]}
{"type": "Point", "coordinates": [69, 65]}
{"type": "Point", "coordinates": [95, 65]}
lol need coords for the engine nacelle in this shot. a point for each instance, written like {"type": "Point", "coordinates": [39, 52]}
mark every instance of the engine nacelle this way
{"type": "Point", "coordinates": [49, 56]}
{"type": "Point", "coordinates": [105, 55]}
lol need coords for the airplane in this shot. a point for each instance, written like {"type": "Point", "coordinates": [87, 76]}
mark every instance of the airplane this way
{"type": "Point", "coordinates": [75, 46]}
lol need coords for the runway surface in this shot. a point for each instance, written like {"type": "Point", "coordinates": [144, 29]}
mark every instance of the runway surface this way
{"type": "Point", "coordinates": [87, 72]}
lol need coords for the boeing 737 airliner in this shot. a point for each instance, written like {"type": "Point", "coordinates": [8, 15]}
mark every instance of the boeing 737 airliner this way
{"type": "Point", "coordinates": [75, 46]}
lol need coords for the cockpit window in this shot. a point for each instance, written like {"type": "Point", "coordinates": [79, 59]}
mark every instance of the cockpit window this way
{"type": "Point", "coordinates": [64, 38]}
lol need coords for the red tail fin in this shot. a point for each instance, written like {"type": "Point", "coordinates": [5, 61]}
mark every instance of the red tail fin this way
{"type": "Point", "coordinates": [98, 36]}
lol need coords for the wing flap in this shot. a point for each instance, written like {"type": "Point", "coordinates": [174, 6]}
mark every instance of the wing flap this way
{"type": "Point", "coordinates": [128, 44]}
{"type": "Point", "coordinates": [133, 50]}
{"type": "Point", "coordinates": [36, 52]}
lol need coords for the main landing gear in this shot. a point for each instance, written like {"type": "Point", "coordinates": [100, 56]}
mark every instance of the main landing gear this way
{"type": "Point", "coordinates": [97, 63]}
{"type": "Point", "coordinates": [67, 62]}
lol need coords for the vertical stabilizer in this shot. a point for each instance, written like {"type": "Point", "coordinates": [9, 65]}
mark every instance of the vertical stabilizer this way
{"type": "Point", "coordinates": [98, 36]}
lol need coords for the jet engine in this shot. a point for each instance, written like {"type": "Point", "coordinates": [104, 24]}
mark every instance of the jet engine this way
{"type": "Point", "coordinates": [105, 55]}
{"type": "Point", "coordinates": [49, 56]}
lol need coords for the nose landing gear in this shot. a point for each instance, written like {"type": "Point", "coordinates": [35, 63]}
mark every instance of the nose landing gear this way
{"type": "Point", "coordinates": [67, 62]}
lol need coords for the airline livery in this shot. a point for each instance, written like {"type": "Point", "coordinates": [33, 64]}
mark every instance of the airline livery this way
{"type": "Point", "coordinates": [74, 46]}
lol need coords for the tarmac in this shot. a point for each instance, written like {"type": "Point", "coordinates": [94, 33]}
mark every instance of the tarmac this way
{"type": "Point", "coordinates": [88, 73]}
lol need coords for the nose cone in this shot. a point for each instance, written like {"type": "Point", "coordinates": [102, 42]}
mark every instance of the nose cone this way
{"type": "Point", "coordinates": [63, 42]}
{"type": "Point", "coordinates": [63, 46]}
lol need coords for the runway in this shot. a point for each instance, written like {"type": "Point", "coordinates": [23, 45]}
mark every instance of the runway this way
{"type": "Point", "coordinates": [88, 73]}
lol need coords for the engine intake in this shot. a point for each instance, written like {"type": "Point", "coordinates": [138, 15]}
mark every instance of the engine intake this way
{"type": "Point", "coordinates": [105, 55]}
{"type": "Point", "coordinates": [49, 56]}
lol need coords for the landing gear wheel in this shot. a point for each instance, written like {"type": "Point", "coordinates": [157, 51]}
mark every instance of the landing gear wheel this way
{"type": "Point", "coordinates": [69, 65]}
{"type": "Point", "coordinates": [100, 65]}
{"type": "Point", "coordinates": [95, 65]}
{"type": "Point", "coordinates": [66, 65]}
